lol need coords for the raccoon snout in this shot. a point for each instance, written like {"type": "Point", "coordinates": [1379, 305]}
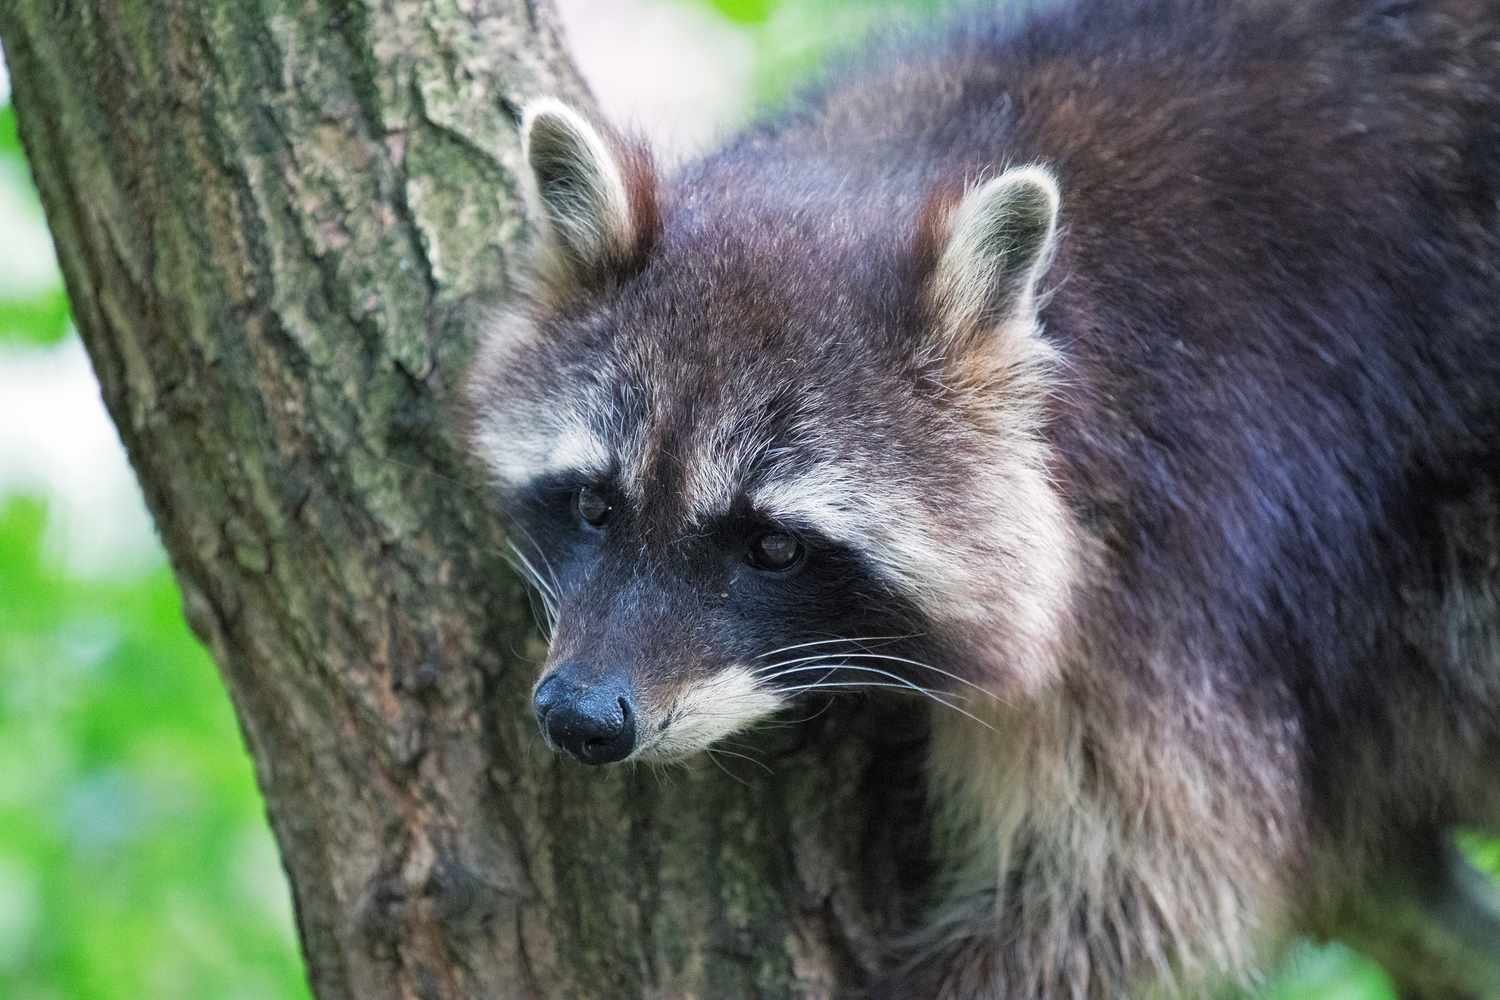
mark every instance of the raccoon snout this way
{"type": "Point", "coordinates": [593, 720]}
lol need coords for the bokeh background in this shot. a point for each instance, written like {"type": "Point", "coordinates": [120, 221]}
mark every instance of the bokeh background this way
{"type": "Point", "coordinates": [135, 860]}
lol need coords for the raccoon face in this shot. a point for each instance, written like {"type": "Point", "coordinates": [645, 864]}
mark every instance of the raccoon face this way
{"type": "Point", "coordinates": [757, 442]}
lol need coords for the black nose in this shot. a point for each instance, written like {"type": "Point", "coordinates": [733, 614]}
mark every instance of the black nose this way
{"type": "Point", "coordinates": [592, 718]}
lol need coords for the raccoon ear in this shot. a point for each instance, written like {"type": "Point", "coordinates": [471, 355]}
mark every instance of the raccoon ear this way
{"type": "Point", "coordinates": [593, 192]}
{"type": "Point", "coordinates": [992, 245]}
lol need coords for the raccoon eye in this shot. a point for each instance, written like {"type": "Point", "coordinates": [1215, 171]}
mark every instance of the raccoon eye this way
{"type": "Point", "coordinates": [775, 551]}
{"type": "Point", "coordinates": [592, 506]}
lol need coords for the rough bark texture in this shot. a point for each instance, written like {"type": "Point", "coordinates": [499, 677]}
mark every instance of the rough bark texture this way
{"type": "Point", "coordinates": [277, 222]}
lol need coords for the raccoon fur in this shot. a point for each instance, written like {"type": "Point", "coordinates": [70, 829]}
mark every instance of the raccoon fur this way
{"type": "Point", "coordinates": [1121, 379]}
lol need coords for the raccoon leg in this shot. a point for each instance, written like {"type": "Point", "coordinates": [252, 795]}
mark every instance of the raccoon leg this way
{"type": "Point", "coordinates": [1096, 905]}
{"type": "Point", "coordinates": [1110, 949]}
{"type": "Point", "coordinates": [1434, 924]}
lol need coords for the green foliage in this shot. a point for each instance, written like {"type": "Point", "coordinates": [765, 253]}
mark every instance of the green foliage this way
{"type": "Point", "coordinates": [1329, 973]}
{"type": "Point", "coordinates": [10, 138]}
{"type": "Point", "coordinates": [744, 11]}
{"type": "Point", "coordinates": [1483, 851]}
{"type": "Point", "coordinates": [794, 37]}
{"type": "Point", "coordinates": [27, 314]}
{"type": "Point", "coordinates": [43, 318]}
{"type": "Point", "coordinates": [134, 855]}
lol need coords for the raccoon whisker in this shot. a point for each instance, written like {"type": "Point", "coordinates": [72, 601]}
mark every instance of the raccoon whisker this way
{"type": "Point", "coordinates": [901, 682]}
{"type": "Point", "coordinates": [681, 760]}
{"type": "Point", "coordinates": [741, 750]}
{"type": "Point", "coordinates": [859, 685]}
{"type": "Point", "coordinates": [825, 642]}
{"type": "Point", "coordinates": [556, 585]}
{"type": "Point", "coordinates": [742, 756]}
{"type": "Point", "coordinates": [834, 657]}
{"type": "Point", "coordinates": [518, 562]}
{"type": "Point", "coordinates": [835, 662]}
{"type": "Point", "coordinates": [727, 772]}
{"type": "Point", "coordinates": [516, 653]}
{"type": "Point", "coordinates": [540, 616]}
{"type": "Point", "coordinates": [829, 663]}
{"type": "Point", "coordinates": [529, 572]}
{"type": "Point", "coordinates": [542, 612]}
{"type": "Point", "coordinates": [877, 656]}
{"type": "Point", "coordinates": [549, 586]}
{"type": "Point", "coordinates": [789, 723]}
{"type": "Point", "coordinates": [928, 666]}
{"type": "Point", "coordinates": [542, 619]}
{"type": "Point", "coordinates": [850, 666]}
{"type": "Point", "coordinates": [546, 622]}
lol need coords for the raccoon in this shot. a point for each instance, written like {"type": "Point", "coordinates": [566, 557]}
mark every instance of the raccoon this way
{"type": "Point", "coordinates": [1122, 380]}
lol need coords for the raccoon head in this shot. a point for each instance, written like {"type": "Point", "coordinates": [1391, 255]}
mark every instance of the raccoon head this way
{"type": "Point", "coordinates": [772, 428]}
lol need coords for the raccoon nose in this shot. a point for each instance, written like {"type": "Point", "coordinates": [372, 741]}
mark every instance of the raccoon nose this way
{"type": "Point", "coordinates": [592, 720]}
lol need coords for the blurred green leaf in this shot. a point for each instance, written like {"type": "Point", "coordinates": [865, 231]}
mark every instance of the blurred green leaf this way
{"type": "Point", "coordinates": [794, 39]}
{"type": "Point", "coordinates": [745, 11]}
{"type": "Point", "coordinates": [10, 136]}
{"type": "Point", "coordinates": [1331, 972]}
{"type": "Point", "coordinates": [34, 308]}
{"type": "Point", "coordinates": [1483, 850]}
{"type": "Point", "coordinates": [39, 319]}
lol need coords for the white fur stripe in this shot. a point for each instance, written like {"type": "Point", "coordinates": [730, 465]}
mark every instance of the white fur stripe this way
{"type": "Point", "coordinates": [562, 445]}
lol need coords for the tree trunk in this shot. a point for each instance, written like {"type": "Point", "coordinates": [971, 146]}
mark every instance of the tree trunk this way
{"type": "Point", "coordinates": [276, 224]}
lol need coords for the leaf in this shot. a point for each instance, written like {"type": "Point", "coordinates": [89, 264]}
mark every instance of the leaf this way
{"type": "Point", "coordinates": [10, 136]}
{"type": "Point", "coordinates": [39, 319]}
{"type": "Point", "coordinates": [746, 11]}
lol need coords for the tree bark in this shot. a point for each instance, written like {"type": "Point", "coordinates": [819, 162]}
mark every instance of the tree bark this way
{"type": "Point", "coordinates": [277, 223]}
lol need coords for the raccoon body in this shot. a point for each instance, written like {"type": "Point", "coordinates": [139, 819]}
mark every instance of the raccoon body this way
{"type": "Point", "coordinates": [1124, 380]}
